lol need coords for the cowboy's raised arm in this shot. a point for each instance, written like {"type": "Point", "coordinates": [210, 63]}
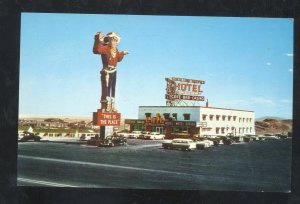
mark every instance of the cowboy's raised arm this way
{"type": "Point", "coordinates": [98, 48]}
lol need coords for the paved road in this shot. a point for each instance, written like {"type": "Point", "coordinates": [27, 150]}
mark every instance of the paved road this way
{"type": "Point", "coordinates": [255, 166]}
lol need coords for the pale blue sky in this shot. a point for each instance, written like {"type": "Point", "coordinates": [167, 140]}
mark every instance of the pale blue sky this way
{"type": "Point", "coordinates": [247, 63]}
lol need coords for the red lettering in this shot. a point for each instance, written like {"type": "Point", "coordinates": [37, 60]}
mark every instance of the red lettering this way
{"type": "Point", "coordinates": [178, 86]}
{"type": "Point", "coordinates": [194, 88]}
{"type": "Point", "coordinates": [183, 87]}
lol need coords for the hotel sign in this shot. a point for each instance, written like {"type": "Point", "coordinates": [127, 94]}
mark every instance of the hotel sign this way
{"type": "Point", "coordinates": [184, 89]}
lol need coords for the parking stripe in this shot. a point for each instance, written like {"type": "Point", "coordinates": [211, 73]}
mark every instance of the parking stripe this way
{"type": "Point", "coordinates": [46, 183]}
{"type": "Point", "coordinates": [103, 165]}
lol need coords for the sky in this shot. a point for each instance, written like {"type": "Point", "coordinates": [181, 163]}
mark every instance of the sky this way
{"type": "Point", "coordinates": [246, 63]}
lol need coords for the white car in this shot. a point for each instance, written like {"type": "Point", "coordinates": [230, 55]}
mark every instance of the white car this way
{"type": "Point", "coordinates": [208, 142]}
{"type": "Point", "coordinates": [134, 134]}
{"type": "Point", "coordinates": [154, 136]}
{"type": "Point", "coordinates": [123, 134]}
{"type": "Point", "coordinates": [86, 136]}
{"type": "Point", "coordinates": [183, 144]}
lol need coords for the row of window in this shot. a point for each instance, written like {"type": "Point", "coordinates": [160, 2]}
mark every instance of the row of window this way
{"type": "Point", "coordinates": [233, 129]}
{"type": "Point", "coordinates": [205, 117]}
{"type": "Point", "coordinates": [167, 116]}
{"type": "Point", "coordinates": [224, 118]}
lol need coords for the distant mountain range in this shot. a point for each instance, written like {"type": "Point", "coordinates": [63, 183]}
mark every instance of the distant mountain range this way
{"type": "Point", "coordinates": [270, 117]}
{"type": "Point", "coordinates": [271, 125]}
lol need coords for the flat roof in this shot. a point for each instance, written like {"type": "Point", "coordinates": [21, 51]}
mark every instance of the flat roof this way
{"type": "Point", "coordinates": [193, 107]}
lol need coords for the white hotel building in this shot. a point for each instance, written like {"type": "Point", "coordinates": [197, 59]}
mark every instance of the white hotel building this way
{"type": "Point", "coordinates": [200, 120]}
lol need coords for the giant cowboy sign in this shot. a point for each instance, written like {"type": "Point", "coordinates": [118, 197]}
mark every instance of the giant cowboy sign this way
{"type": "Point", "coordinates": [106, 46]}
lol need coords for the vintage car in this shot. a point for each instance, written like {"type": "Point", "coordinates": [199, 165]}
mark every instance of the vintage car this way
{"type": "Point", "coordinates": [134, 134]}
{"type": "Point", "coordinates": [123, 133]}
{"type": "Point", "coordinates": [30, 137]}
{"type": "Point", "coordinates": [94, 141]}
{"type": "Point", "coordinates": [200, 144]}
{"type": "Point", "coordinates": [180, 144]}
{"type": "Point", "coordinates": [143, 134]}
{"type": "Point", "coordinates": [227, 140]}
{"type": "Point", "coordinates": [87, 136]}
{"type": "Point", "coordinates": [154, 136]}
{"type": "Point", "coordinates": [113, 140]}
{"type": "Point", "coordinates": [281, 135]}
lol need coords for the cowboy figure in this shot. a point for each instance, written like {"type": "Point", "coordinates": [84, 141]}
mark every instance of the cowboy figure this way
{"type": "Point", "coordinates": [106, 46]}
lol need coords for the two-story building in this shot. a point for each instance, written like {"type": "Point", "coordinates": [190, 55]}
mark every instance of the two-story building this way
{"type": "Point", "coordinates": [188, 121]}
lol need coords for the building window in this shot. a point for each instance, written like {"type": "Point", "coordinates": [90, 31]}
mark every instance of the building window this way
{"type": "Point", "coordinates": [234, 118]}
{"type": "Point", "coordinates": [250, 129]}
{"type": "Point", "coordinates": [217, 130]}
{"type": "Point", "coordinates": [223, 117]}
{"type": "Point", "coordinates": [247, 130]}
{"type": "Point", "coordinates": [204, 117]}
{"type": "Point", "coordinates": [240, 119]}
{"type": "Point", "coordinates": [211, 117]}
{"type": "Point", "coordinates": [240, 130]}
{"type": "Point", "coordinates": [223, 130]}
{"type": "Point", "coordinates": [174, 115]}
{"type": "Point", "coordinates": [167, 116]}
{"type": "Point", "coordinates": [217, 117]}
{"type": "Point", "coordinates": [148, 115]}
{"type": "Point", "coordinates": [186, 116]}
{"type": "Point", "coordinates": [229, 118]}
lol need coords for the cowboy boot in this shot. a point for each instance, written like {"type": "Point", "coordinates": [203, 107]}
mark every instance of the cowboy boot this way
{"type": "Point", "coordinates": [113, 107]}
{"type": "Point", "coordinates": [108, 104]}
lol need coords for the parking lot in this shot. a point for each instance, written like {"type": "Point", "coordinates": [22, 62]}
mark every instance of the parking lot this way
{"type": "Point", "coordinates": [254, 166]}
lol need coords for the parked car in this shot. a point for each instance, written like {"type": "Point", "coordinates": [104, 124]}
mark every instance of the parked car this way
{"type": "Point", "coordinates": [94, 141]}
{"type": "Point", "coordinates": [134, 134]}
{"type": "Point", "coordinates": [111, 141]}
{"type": "Point", "coordinates": [30, 137]}
{"type": "Point", "coordinates": [142, 135]}
{"type": "Point", "coordinates": [154, 136]}
{"type": "Point", "coordinates": [281, 136]}
{"type": "Point", "coordinates": [202, 144]}
{"type": "Point", "coordinates": [180, 144]}
{"type": "Point", "coordinates": [227, 140]}
{"type": "Point", "coordinates": [123, 133]}
{"type": "Point", "coordinates": [86, 136]}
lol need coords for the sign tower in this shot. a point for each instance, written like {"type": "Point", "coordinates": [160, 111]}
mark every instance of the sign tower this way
{"type": "Point", "coordinates": [183, 92]}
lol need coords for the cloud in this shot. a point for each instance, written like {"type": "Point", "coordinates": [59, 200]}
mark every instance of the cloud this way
{"type": "Point", "coordinates": [268, 63]}
{"type": "Point", "coordinates": [289, 54]}
{"type": "Point", "coordinates": [262, 101]}
{"type": "Point", "coordinates": [290, 70]}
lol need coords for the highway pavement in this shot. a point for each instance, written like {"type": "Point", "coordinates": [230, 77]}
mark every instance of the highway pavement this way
{"type": "Point", "coordinates": [255, 166]}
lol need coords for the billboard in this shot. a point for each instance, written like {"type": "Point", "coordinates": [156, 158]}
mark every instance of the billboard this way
{"type": "Point", "coordinates": [183, 89]}
{"type": "Point", "coordinates": [106, 119]}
